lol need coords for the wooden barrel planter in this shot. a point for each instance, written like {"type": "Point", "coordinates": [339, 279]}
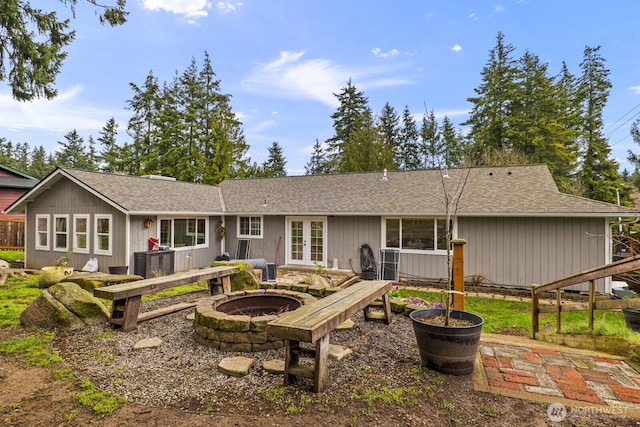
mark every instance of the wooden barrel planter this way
{"type": "Point", "coordinates": [447, 349]}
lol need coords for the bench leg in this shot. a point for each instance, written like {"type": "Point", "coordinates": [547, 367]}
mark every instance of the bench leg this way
{"type": "Point", "coordinates": [291, 358]}
{"type": "Point", "coordinates": [372, 311]}
{"type": "Point", "coordinates": [226, 284]}
{"type": "Point", "coordinates": [129, 319]}
{"type": "Point", "coordinates": [320, 373]}
{"type": "Point", "coordinates": [386, 306]}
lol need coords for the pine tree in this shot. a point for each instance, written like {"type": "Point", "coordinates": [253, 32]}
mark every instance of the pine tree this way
{"type": "Point", "coordinates": [142, 126]}
{"type": "Point", "coordinates": [453, 147]}
{"type": "Point", "coordinates": [317, 164]}
{"type": "Point", "coordinates": [388, 126]}
{"type": "Point", "coordinates": [489, 117]}
{"type": "Point", "coordinates": [348, 118]}
{"type": "Point", "coordinates": [39, 165]}
{"type": "Point", "coordinates": [367, 150]}
{"type": "Point", "coordinates": [275, 163]}
{"type": "Point", "coordinates": [409, 144]}
{"type": "Point", "coordinates": [110, 154]}
{"type": "Point", "coordinates": [430, 144]}
{"type": "Point", "coordinates": [72, 153]}
{"type": "Point", "coordinates": [599, 174]}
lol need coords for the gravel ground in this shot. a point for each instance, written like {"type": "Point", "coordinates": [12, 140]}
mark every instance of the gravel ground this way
{"type": "Point", "coordinates": [380, 384]}
{"type": "Point", "coordinates": [183, 374]}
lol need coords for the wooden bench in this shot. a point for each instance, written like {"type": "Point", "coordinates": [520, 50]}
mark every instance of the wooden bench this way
{"type": "Point", "coordinates": [314, 323]}
{"type": "Point", "coordinates": [127, 297]}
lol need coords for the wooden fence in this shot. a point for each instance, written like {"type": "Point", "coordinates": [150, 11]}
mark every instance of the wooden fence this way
{"type": "Point", "coordinates": [11, 234]}
{"type": "Point", "coordinates": [619, 267]}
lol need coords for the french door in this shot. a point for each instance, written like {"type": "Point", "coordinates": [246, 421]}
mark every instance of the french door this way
{"type": "Point", "coordinates": [307, 240]}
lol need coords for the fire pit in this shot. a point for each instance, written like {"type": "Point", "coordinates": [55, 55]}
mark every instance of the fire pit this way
{"type": "Point", "coordinates": [238, 321]}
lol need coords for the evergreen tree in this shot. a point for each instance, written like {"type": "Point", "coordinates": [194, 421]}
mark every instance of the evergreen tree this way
{"type": "Point", "coordinates": [275, 163]}
{"type": "Point", "coordinates": [388, 126]}
{"type": "Point", "coordinates": [492, 107]}
{"type": "Point", "coordinates": [366, 150]}
{"type": "Point", "coordinates": [347, 119]}
{"type": "Point", "coordinates": [31, 58]}
{"type": "Point", "coordinates": [409, 144]}
{"type": "Point", "coordinates": [453, 147]}
{"type": "Point", "coordinates": [39, 165]}
{"type": "Point", "coordinates": [430, 144]}
{"type": "Point", "coordinates": [599, 174]}
{"type": "Point", "coordinates": [142, 126]}
{"type": "Point", "coordinates": [110, 154]}
{"type": "Point", "coordinates": [317, 164]}
{"type": "Point", "coordinates": [72, 153]}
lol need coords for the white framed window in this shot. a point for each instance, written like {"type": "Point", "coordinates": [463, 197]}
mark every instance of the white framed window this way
{"type": "Point", "coordinates": [415, 234]}
{"type": "Point", "coordinates": [61, 233]}
{"type": "Point", "coordinates": [42, 232]}
{"type": "Point", "coordinates": [81, 234]}
{"type": "Point", "coordinates": [250, 226]}
{"type": "Point", "coordinates": [184, 232]}
{"type": "Point", "coordinates": [103, 235]}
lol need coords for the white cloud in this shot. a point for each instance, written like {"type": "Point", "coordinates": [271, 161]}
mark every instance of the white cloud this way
{"type": "Point", "coordinates": [191, 9]}
{"type": "Point", "coordinates": [473, 16]}
{"type": "Point", "coordinates": [456, 48]}
{"type": "Point", "coordinates": [635, 89]}
{"type": "Point", "coordinates": [61, 114]}
{"type": "Point", "coordinates": [292, 76]}
{"type": "Point", "coordinates": [498, 9]}
{"type": "Point", "coordinates": [228, 6]}
{"type": "Point", "coordinates": [380, 54]}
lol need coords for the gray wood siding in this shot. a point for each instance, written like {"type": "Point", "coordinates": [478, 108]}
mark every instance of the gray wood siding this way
{"type": "Point", "coordinates": [273, 230]}
{"type": "Point", "coordinates": [67, 198]}
{"type": "Point", "coordinates": [523, 251]}
{"type": "Point", "coordinates": [184, 259]}
{"type": "Point", "coordinates": [346, 235]}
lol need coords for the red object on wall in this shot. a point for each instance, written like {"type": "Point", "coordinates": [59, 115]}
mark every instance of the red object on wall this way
{"type": "Point", "coordinates": [154, 243]}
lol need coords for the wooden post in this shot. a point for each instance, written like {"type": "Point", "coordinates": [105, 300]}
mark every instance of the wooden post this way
{"type": "Point", "coordinates": [535, 312]}
{"type": "Point", "coordinates": [592, 302]}
{"type": "Point", "coordinates": [458, 273]}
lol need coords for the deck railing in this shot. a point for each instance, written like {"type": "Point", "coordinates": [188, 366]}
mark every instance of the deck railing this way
{"type": "Point", "coordinates": [590, 276]}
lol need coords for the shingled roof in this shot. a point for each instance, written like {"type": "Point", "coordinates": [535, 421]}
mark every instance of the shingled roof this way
{"type": "Point", "coordinates": [491, 191]}
{"type": "Point", "coordinates": [138, 195]}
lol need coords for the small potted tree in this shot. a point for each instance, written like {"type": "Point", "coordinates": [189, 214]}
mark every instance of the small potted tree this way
{"type": "Point", "coordinates": [55, 274]}
{"type": "Point", "coordinates": [448, 339]}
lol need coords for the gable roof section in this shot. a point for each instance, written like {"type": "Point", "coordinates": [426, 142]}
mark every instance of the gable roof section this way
{"type": "Point", "coordinates": [492, 191]}
{"type": "Point", "coordinates": [135, 195]}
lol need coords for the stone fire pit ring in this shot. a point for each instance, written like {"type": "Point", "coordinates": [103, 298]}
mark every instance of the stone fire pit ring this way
{"type": "Point", "coordinates": [239, 332]}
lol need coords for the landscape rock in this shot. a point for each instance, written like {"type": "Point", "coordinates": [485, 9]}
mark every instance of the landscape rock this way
{"type": "Point", "coordinates": [4, 264]}
{"type": "Point", "coordinates": [64, 307]}
{"type": "Point", "coordinates": [236, 366]}
{"type": "Point", "coordinates": [147, 343]}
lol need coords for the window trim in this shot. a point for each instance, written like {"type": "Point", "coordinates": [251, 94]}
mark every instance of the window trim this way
{"type": "Point", "coordinates": [87, 233]}
{"type": "Point", "coordinates": [383, 243]}
{"type": "Point", "coordinates": [250, 236]}
{"type": "Point", "coordinates": [38, 246]}
{"type": "Point", "coordinates": [187, 232]}
{"type": "Point", "coordinates": [56, 233]}
{"type": "Point", "coordinates": [96, 235]}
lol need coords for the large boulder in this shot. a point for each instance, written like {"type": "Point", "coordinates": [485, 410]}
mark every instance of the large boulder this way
{"type": "Point", "coordinates": [66, 307]}
{"type": "Point", "coordinates": [245, 279]}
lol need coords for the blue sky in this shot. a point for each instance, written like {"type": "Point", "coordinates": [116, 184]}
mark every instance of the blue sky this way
{"type": "Point", "coordinates": [282, 61]}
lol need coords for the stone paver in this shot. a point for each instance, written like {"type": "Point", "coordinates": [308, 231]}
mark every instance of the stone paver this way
{"type": "Point", "coordinates": [545, 372]}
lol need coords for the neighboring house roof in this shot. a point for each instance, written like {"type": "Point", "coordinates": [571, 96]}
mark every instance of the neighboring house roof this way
{"type": "Point", "coordinates": [133, 194]}
{"type": "Point", "coordinates": [15, 172]}
{"type": "Point", "coordinates": [15, 182]}
{"type": "Point", "coordinates": [489, 191]}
